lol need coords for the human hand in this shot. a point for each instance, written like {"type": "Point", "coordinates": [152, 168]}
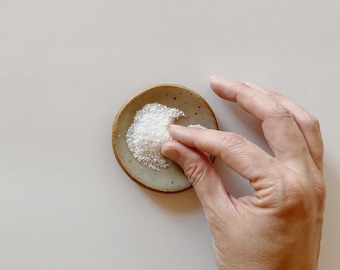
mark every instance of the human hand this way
{"type": "Point", "coordinates": [280, 226]}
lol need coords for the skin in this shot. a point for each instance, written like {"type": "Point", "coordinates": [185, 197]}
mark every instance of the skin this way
{"type": "Point", "coordinates": [279, 227]}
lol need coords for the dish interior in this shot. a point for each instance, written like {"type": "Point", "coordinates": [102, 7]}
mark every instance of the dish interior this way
{"type": "Point", "coordinates": [197, 110]}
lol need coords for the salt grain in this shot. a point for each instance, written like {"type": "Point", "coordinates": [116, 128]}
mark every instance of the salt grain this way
{"type": "Point", "coordinates": [149, 131]}
{"type": "Point", "coordinates": [197, 126]}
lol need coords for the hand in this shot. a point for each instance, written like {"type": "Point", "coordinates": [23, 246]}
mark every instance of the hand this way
{"type": "Point", "coordinates": [280, 226]}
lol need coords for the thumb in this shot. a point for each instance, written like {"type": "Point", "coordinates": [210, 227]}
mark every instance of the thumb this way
{"type": "Point", "coordinates": [200, 172]}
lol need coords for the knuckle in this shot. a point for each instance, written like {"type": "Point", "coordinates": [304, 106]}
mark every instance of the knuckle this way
{"type": "Point", "coordinates": [311, 123]}
{"type": "Point", "coordinates": [281, 112]}
{"type": "Point", "coordinates": [232, 139]}
{"type": "Point", "coordinates": [194, 171]}
{"type": "Point", "coordinates": [295, 202]}
{"type": "Point", "coordinates": [320, 193]}
{"type": "Point", "coordinates": [274, 94]}
{"type": "Point", "coordinates": [301, 199]}
{"type": "Point", "coordinates": [241, 85]}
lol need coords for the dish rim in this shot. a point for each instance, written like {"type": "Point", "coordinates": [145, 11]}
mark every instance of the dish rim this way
{"type": "Point", "coordinates": [116, 119]}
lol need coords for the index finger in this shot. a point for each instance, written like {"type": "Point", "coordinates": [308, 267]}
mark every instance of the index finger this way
{"type": "Point", "coordinates": [241, 155]}
{"type": "Point", "coordinates": [279, 126]}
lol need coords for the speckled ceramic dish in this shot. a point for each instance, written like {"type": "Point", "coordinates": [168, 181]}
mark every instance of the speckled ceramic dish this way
{"type": "Point", "coordinates": [197, 111]}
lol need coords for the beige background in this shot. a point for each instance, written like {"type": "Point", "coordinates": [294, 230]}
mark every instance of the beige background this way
{"type": "Point", "coordinates": [67, 66]}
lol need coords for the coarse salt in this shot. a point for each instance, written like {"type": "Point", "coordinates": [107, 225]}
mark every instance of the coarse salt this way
{"type": "Point", "coordinates": [149, 131]}
{"type": "Point", "coordinates": [197, 126]}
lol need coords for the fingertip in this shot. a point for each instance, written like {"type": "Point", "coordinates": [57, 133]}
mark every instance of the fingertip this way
{"type": "Point", "coordinates": [200, 172]}
{"type": "Point", "coordinates": [215, 81]}
{"type": "Point", "coordinates": [166, 149]}
{"type": "Point", "coordinates": [213, 78]}
{"type": "Point", "coordinates": [177, 131]}
{"type": "Point", "coordinates": [174, 151]}
{"type": "Point", "coordinates": [221, 87]}
{"type": "Point", "coordinates": [216, 78]}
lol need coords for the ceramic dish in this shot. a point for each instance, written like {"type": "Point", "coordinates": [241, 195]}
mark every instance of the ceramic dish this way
{"type": "Point", "coordinates": [197, 110]}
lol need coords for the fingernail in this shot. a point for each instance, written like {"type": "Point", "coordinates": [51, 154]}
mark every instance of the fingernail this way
{"type": "Point", "coordinates": [175, 127]}
{"type": "Point", "coordinates": [215, 78]}
{"type": "Point", "coordinates": [171, 127]}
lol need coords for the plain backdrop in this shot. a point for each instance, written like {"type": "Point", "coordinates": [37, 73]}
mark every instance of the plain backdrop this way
{"type": "Point", "coordinates": [67, 66]}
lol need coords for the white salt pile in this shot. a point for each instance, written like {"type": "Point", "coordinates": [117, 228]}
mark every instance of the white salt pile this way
{"type": "Point", "coordinates": [149, 131]}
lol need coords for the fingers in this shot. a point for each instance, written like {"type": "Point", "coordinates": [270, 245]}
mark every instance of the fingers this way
{"type": "Point", "coordinates": [200, 172]}
{"type": "Point", "coordinates": [239, 154]}
{"type": "Point", "coordinates": [307, 123]}
{"type": "Point", "coordinates": [280, 127]}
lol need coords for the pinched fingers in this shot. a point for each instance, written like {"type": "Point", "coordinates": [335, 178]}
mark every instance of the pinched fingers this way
{"type": "Point", "coordinates": [200, 172]}
{"type": "Point", "coordinates": [244, 157]}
